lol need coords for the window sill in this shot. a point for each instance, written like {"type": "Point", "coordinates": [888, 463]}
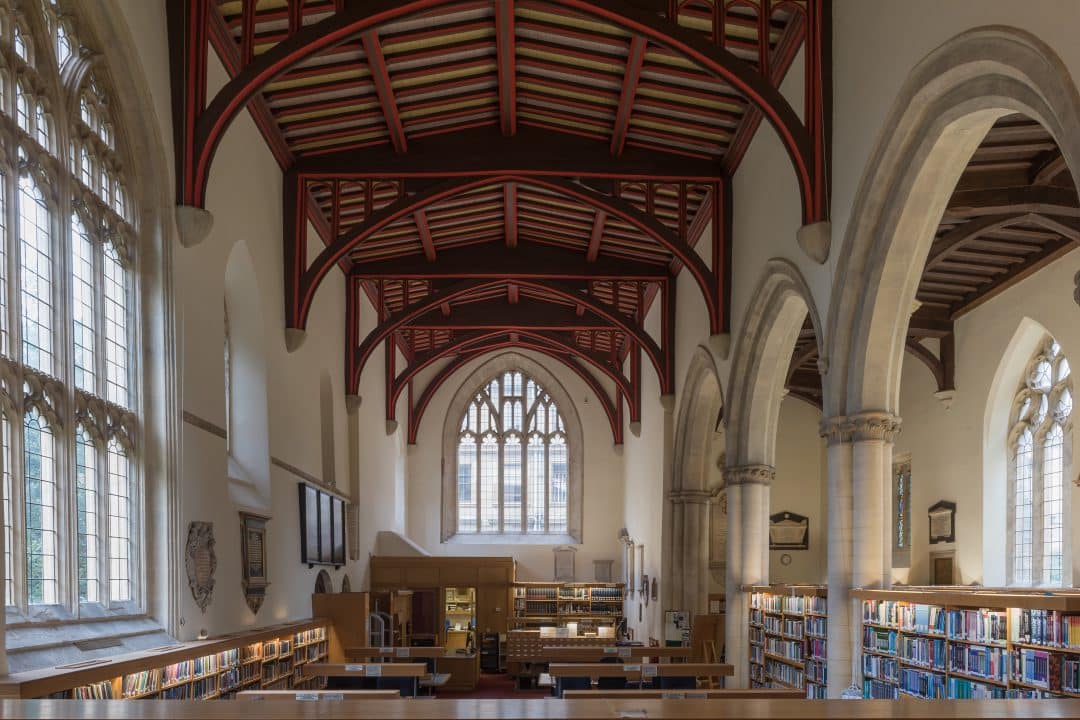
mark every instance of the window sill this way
{"type": "Point", "coordinates": [512, 539]}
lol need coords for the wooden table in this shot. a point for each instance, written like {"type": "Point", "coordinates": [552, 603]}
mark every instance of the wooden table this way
{"type": "Point", "coordinates": [318, 695]}
{"type": "Point", "coordinates": [636, 671]}
{"type": "Point", "coordinates": [596, 654]}
{"type": "Point", "coordinates": [541, 709]}
{"type": "Point", "coordinates": [395, 653]}
{"type": "Point", "coordinates": [713, 694]}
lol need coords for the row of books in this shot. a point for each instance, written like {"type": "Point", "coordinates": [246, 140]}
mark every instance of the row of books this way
{"type": "Point", "coordinates": [274, 670]}
{"type": "Point", "coordinates": [921, 683]}
{"type": "Point", "coordinates": [94, 691]}
{"type": "Point", "coordinates": [927, 619]}
{"type": "Point", "coordinates": [141, 683]}
{"type": "Point", "coordinates": [787, 674]}
{"type": "Point", "coordinates": [1033, 667]}
{"type": "Point", "coordinates": [924, 651]}
{"type": "Point", "coordinates": [816, 626]}
{"type": "Point", "coordinates": [816, 691]}
{"type": "Point", "coordinates": [757, 635]}
{"type": "Point", "coordinates": [817, 605]}
{"type": "Point", "coordinates": [1046, 627]}
{"type": "Point", "coordinates": [979, 660]}
{"type": "Point", "coordinates": [816, 647]}
{"type": "Point", "coordinates": [757, 654]}
{"type": "Point", "coordinates": [878, 640]}
{"type": "Point", "coordinates": [879, 690]}
{"type": "Point", "coordinates": [816, 671]}
{"type": "Point", "coordinates": [310, 636]}
{"type": "Point", "coordinates": [962, 689]}
{"type": "Point", "coordinates": [790, 649]}
{"type": "Point", "coordinates": [990, 626]}
{"type": "Point", "coordinates": [881, 668]}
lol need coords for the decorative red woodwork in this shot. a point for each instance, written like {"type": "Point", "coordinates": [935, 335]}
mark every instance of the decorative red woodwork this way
{"type": "Point", "coordinates": [505, 47]}
{"type": "Point", "coordinates": [635, 58]}
{"type": "Point", "coordinates": [480, 212]}
{"type": "Point", "coordinates": [381, 77]}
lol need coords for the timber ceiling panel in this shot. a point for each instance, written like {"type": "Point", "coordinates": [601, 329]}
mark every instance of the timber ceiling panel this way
{"type": "Point", "coordinates": [1014, 210]}
{"type": "Point", "coordinates": [389, 135]}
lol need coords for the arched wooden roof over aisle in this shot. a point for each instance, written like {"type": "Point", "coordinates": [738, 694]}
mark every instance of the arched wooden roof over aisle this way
{"type": "Point", "coordinates": [505, 173]}
{"type": "Point", "coordinates": [1015, 210]}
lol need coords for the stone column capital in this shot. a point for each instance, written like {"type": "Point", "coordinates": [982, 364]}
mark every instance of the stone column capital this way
{"type": "Point", "coordinates": [689, 497]}
{"type": "Point", "coordinates": [749, 475]}
{"type": "Point", "coordinates": [876, 425]}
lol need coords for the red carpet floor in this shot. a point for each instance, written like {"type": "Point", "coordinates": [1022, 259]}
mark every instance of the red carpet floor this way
{"type": "Point", "coordinates": [495, 687]}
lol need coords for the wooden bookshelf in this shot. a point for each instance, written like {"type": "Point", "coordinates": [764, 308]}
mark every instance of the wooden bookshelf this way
{"type": "Point", "coordinates": [960, 643]}
{"type": "Point", "coordinates": [787, 637]}
{"type": "Point", "coordinates": [590, 604]}
{"type": "Point", "coordinates": [267, 659]}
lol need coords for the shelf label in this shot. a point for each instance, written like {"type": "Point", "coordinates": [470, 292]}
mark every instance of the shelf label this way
{"type": "Point", "coordinates": [624, 652]}
{"type": "Point", "coordinates": [373, 671]}
{"type": "Point", "coordinates": [386, 650]}
{"type": "Point", "coordinates": [562, 632]}
{"type": "Point", "coordinates": [403, 652]}
{"type": "Point", "coordinates": [610, 650]}
{"type": "Point", "coordinates": [697, 696]}
{"type": "Point", "coordinates": [649, 671]}
{"type": "Point", "coordinates": [332, 696]}
{"type": "Point", "coordinates": [673, 696]}
{"type": "Point", "coordinates": [354, 668]}
{"type": "Point", "coordinates": [631, 668]}
{"type": "Point", "coordinates": [307, 696]}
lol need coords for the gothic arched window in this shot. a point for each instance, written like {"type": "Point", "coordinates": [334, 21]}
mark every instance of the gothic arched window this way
{"type": "Point", "coordinates": [68, 336]}
{"type": "Point", "coordinates": [512, 461]}
{"type": "Point", "coordinates": [1038, 436]}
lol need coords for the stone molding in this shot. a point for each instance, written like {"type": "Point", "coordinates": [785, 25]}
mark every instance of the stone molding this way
{"type": "Point", "coordinates": [749, 475]}
{"type": "Point", "coordinates": [689, 497]}
{"type": "Point", "coordinates": [880, 426]}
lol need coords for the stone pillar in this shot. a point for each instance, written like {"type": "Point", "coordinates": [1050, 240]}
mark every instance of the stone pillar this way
{"type": "Point", "coordinates": [689, 576]}
{"type": "Point", "coordinates": [844, 634]}
{"type": "Point", "coordinates": [860, 459]}
{"type": "Point", "coordinates": [747, 557]}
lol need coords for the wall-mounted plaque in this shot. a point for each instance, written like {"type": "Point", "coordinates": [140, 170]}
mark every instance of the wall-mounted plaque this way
{"type": "Point", "coordinates": [789, 531]}
{"type": "Point", "coordinates": [942, 522]}
{"type": "Point", "coordinates": [253, 558]}
{"type": "Point", "coordinates": [564, 564]}
{"type": "Point", "coordinates": [200, 562]}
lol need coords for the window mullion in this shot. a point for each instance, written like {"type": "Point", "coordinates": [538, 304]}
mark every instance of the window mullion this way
{"type": "Point", "coordinates": [523, 475]}
{"type": "Point", "coordinates": [547, 484]}
{"type": "Point", "coordinates": [501, 482]}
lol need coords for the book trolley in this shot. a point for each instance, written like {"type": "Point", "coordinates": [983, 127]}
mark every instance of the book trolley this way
{"type": "Point", "coordinates": [788, 648]}
{"type": "Point", "coordinates": [960, 643]}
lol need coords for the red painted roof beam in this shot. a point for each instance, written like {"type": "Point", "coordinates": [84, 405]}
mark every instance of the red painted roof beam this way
{"type": "Point", "coordinates": [635, 58]}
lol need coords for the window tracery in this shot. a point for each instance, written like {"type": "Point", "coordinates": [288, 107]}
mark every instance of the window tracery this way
{"type": "Point", "coordinates": [69, 405]}
{"type": "Point", "coordinates": [1038, 440]}
{"type": "Point", "coordinates": [512, 460]}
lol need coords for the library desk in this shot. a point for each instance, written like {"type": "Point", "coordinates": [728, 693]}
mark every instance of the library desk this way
{"type": "Point", "coordinates": [318, 695]}
{"type": "Point", "coordinates": [413, 670]}
{"type": "Point", "coordinates": [543, 709]}
{"type": "Point", "coordinates": [395, 653]}
{"type": "Point", "coordinates": [596, 654]}
{"type": "Point", "coordinates": [635, 671]}
{"type": "Point", "coordinates": [707, 694]}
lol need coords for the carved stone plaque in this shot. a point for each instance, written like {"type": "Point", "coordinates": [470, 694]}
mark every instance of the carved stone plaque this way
{"type": "Point", "coordinates": [201, 562]}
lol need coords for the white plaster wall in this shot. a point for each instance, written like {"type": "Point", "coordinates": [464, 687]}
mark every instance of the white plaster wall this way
{"type": "Point", "coordinates": [602, 477]}
{"type": "Point", "coordinates": [245, 198]}
{"type": "Point", "coordinates": [800, 487]}
{"type": "Point", "coordinates": [946, 446]}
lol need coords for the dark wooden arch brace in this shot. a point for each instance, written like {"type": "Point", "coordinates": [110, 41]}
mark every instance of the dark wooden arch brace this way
{"type": "Point", "coordinates": [301, 284]}
{"type": "Point", "coordinates": [357, 355]}
{"type": "Point", "coordinates": [210, 123]}
{"type": "Point", "coordinates": [416, 411]}
{"type": "Point", "coordinates": [942, 365]}
{"type": "Point", "coordinates": [467, 343]}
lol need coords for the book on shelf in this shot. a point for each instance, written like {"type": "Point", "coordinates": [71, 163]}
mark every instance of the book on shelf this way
{"type": "Point", "coordinates": [94, 691]}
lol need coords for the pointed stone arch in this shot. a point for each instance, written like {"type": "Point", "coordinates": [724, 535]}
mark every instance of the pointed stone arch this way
{"type": "Point", "coordinates": [942, 113]}
{"type": "Point", "coordinates": [686, 526]}
{"type": "Point", "coordinates": [778, 310]}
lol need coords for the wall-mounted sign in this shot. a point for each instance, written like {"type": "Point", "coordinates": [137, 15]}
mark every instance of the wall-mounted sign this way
{"type": "Point", "coordinates": [942, 522]}
{"type": "Point", "coordinates": [200, 562]}
{"type": "Point", "coordinates": [789, 531]}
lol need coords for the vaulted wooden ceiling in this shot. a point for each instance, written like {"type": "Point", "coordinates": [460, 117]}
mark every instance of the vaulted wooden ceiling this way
{"type": "Point", "coordinates": [1014, 211]}
{"type": "Point", "coordinates": [504, 173]}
